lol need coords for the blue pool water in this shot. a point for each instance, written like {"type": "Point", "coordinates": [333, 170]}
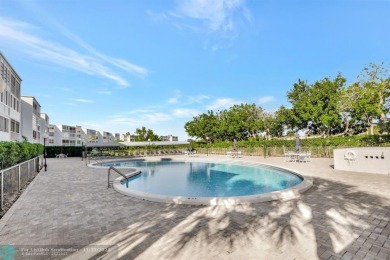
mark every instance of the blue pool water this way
{"type": "Point", "coordinates": [199, 179]}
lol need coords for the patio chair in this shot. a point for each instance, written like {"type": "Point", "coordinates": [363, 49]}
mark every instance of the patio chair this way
{"type": "Point", "coordinates": [308, 157]}
{"type": "Point", "coordinates": [289, 157]}
{"type": "Point", "coordinates": [302, 157]}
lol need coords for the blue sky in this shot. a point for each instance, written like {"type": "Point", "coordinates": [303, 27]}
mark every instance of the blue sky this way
{"type": "Point", "coordinates": [118, 65]}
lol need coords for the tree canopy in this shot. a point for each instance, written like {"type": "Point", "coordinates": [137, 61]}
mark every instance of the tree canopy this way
{"type": "Point", "coordinates": [326, 107]}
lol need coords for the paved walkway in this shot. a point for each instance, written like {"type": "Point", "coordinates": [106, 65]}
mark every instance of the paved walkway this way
{"type": "Point", "coordinates": [69, 212]}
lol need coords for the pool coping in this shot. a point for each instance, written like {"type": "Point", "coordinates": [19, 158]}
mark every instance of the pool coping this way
{"type": "Point", "coordinates": [286, 194]}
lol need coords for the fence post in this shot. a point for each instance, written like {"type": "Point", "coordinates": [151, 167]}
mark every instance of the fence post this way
{"type": "Point", "coordinates": [28, 170]}
{"type": "Point", "coordinates": [19, 177]}
{"type": "Point", "coordinates": [2, 190]}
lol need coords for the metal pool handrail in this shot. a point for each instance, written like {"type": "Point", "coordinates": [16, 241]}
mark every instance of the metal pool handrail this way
{"type": "Point", "coordinates": [127, 177]}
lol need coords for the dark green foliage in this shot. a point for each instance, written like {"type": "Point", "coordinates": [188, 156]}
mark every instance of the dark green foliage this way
{"type": "Point", "coordinates": [337, 141]}
{"type": "Point", "coordinates": [327, 107]}
{"type": "Point", "coordinates": [240, 122]}
{"type": "Point", "coordinates": [12, 153]}
{"type": "Point", "coordinates": [71, 151]}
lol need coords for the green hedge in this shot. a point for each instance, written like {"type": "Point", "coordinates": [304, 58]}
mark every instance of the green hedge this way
{"type": "Point", "coordinates": [342, 141]}
{"type": "Point", "coordinates": [12, 153]}
{"type": "Point", "coordinates": [71, 151]}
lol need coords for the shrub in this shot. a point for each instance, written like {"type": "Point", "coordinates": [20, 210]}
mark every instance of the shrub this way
{"type": "Point", "coordinates": [71, 151]}
{"type": "Point", "coordinates": [12, 153]}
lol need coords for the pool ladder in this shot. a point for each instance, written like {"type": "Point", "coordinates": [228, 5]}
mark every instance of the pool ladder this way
{"type": "Point", "coordinates": [126, 177]}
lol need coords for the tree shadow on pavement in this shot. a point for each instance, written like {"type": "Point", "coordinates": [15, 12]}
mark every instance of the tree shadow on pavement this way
{"type": "Point", "coordinates": [330, 219]}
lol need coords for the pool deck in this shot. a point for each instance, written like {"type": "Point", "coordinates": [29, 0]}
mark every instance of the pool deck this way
{"type": "Point", "coordinates": [345, 215]}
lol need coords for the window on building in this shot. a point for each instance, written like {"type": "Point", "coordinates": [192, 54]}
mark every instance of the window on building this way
{"type": "Point", "coordinates": [3, 124]}
{"type": "Point", "coordinates": [34, 134]}
{"type": "Point", "coordinates": [17, 127]}
{"type": "Point", "coordinates": [1, 69]}
{"type": "Point", "coordinates": [13, 125]}
{"type": "Point", "coordinates": [51, 141]}
{"type": "Point", "coordinates": [51, 134]}
{"type": "Point", "coordinates": [13, 86]}
{"type": "Point", "coordinates": [18, 89]}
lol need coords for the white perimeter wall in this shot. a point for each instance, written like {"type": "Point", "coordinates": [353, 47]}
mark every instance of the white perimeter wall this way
{"type": "Point", "coordinates": [367, 159]}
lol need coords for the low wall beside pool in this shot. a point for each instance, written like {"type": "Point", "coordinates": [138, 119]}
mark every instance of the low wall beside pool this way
{"type": "Point", "coordinates": [363, 159]}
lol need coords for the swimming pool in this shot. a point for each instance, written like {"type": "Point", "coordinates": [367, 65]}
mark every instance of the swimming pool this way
{"type": "Point", "coordinates": [198, 182]}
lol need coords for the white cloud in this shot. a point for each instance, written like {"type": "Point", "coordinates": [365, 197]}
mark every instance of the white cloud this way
{"type": "Point", "coordinates": [104, 92]}
{"type": "Point", "coordinates": [185, 112]}
{"type": "Point", "coordinates": [187, 100]}
{"type": "Point", "coordinates": [173, 100]}
{"type": "Point", "coordinates": [197, 99]}
{"type": "Point", "coordinates": [266, 99]}
{"type": "Point", "coordinates": [224, 103]}
{"type": "Point", "coordinates": [140, 117]}
{"type": "Point", "coordinates": [81, 100]}
{"type": "Point", "coordinates": [23, 37]}
{"type": "Point", "coordinates": [217, 14]}
{"type": "Point", "coordinates": [157, 117]}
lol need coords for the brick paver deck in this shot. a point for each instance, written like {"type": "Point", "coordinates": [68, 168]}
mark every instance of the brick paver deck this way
{"type": "Point", "coordinates": [343, 216]}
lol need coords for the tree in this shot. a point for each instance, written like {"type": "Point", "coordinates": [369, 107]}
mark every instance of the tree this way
{"type": "Point", "coordinates": [143, 134]}
{"type": "Point", "coordinates": [204, 126]}
{"type": "Point", "coordinates": [373, 90]}
{"type": "Point", "coordinates": [315, 107]}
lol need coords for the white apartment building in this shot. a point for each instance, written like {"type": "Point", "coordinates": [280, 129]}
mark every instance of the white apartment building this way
{"type": "Point", "coordinates": [81, 136]}
{"type": "Point", "coordinates": [31, 119]}
{"type": "Point", "coordinates": [93, 136]}
{"type": "Point", "coordinates": [66, 135]}
{"type": "Point", "coordinates": [128, 138]}
{"type": "Point", "coordinates": [44, 128]}
{"type": "Point", "coordinates": [10, 108]}
{"type": "Point", "coordinates": [108, 137]}
{"type": "Point", "coordinates": [168, 138]}
{"type": "Point", "coordinates": [54, 133]}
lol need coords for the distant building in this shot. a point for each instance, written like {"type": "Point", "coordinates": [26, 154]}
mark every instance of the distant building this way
{"type": "Point", "coordinates": [94, 136]}
{"type": "Point", "coordinates": [169, 138]}
{"type": "Point", "coordinates": [66, 135]}
{"type": "Point", "coordinates": [44, 122]}
{"type": "Point", "coordinates": [10, 108]}
{"type": "Point", "coordinates": [54, 135]}
{"type": "Point", "coordinates": [81, 136]}
{"type": "Point", "coordinates": [108, 137]}
{"type": "Point", "coordinates": [31, 119]}
{"type": "Point", "coordinates": [128, 138]}
{"type": "Point", "coordinates": [117, 136]}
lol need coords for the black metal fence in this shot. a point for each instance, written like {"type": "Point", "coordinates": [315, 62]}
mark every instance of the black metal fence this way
{"type": "Point", "coordinates": [16, 178]}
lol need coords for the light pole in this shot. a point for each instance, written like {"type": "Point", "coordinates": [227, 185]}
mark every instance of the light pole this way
{"type": "Point", "coordinates": [149, 147]}
{"type": "Point", "coordinates": [82, 150]}
{"type": "Point", "coordinates": [44, 152]}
